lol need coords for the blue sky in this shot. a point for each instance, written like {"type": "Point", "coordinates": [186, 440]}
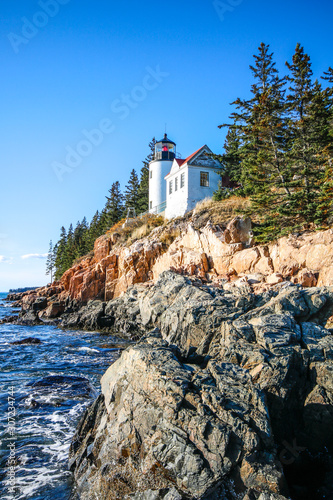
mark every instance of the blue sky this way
{"type": "Point", "coordinates": [114, 73]}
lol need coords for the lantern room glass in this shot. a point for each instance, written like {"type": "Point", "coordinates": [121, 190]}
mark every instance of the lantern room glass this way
{"type": "Point", "coordinates": [165, 149]}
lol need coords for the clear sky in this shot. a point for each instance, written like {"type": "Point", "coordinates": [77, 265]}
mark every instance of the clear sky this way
{"type": "Point", "coordinates": [102, 78]}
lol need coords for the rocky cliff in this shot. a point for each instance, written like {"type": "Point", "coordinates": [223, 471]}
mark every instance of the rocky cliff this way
{"type": "Point", "coordinates": [192, 246]}
{"type": "Point", "coordinates": [229, 397]}
{"type": "Point", "coordinates": [227, 392]}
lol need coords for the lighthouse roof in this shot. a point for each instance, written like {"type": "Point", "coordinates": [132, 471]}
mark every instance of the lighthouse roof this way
{"type": "Point", "coordinates": [166, 139]}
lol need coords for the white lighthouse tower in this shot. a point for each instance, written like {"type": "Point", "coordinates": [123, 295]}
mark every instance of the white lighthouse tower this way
{"type": "Point", "coordinates": [159, 167]}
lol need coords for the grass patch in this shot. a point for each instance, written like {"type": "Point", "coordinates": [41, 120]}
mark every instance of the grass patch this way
{"type": "Point", "coordinates": [220, 212]}
{"type": "Point", "coordinates": [135, 229]}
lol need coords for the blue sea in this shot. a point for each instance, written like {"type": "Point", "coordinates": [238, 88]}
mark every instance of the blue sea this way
{"type": "Point", "coordinates": [44, 389]}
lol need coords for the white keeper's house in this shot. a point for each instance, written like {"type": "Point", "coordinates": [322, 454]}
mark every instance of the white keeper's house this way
{"type": "Point", "coordinates": [176, 185]}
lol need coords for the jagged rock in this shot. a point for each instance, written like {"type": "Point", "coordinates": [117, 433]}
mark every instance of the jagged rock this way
{"type": "Point", "coordinates": [85, 317]}
{"type": "Point", "coordinates": [207, 252]}
{"type": "Point", "coordinates": [29, 341]}
{"type": "Point", "coordinates": [162, 494]}
{"type": "Point", "coordinates": [211, 403]}
{"type": "Point", "coordinates": [53, 310]}
{"type": "Point", "coordinates": [173, 424]}
{"type": "Point", "coordinates": [274, 278]}
{"type": "Point", "coordinates": [39, 304]}
{"type": "Point", "coordinates": [9, 319]}
{"type": "Point", "coordinates": [306, 278]}
{"type": "Point", "coordinates": [120, 316]}
{"type": "Point", "coordinates": [29, 318]}
{"type": "Point", "coordinates": [238, 230]}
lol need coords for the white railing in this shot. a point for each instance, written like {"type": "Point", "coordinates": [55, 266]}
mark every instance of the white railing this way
{"type": "Point", "coordinates": [156, 210]}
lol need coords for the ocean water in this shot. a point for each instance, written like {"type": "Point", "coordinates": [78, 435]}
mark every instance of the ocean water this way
{"type": "Point", "coordinates": [44, 389]}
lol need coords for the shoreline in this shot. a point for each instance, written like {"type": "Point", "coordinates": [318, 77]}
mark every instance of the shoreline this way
{"type": "Point", "coordinates": [266, 358]}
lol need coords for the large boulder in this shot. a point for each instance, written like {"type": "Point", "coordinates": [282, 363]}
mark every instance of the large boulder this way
{"type": "Point", "coordinates": [231, 395]}
{"type": "Point", "coordinates": [165, 423]}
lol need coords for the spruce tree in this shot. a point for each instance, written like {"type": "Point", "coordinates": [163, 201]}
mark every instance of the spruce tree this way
{"type": "Point", "coordinates": [50, 262]}
{"type": "Point", "coordinates": [131, 192]}
{"type": "Point", "coordinates": [324, 208]}
{"type": "Point", "coordinates": [231, 160]}
{"type": "Point", "coordinates": [114, 207]}
{"type": "Point", "coordinates": [260, 128]}
{"type": "Point", "coordinates": [60, 265]}
{"type": "Point", "coordinates": [307, 116]}
{"type": "Point", "coordinates": [143, 190]}
{"type": "Point", "coordinates": [69, 252]}
{"type": "Point", "coordinates": [92, 232]}
{"type": "Point", "coordinates": [80, 238]}
{"type": "Point", "coordinates": [102, 225]}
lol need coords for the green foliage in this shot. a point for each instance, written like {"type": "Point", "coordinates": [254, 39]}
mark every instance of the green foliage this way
{"type": "Point", "coordinates": [279, 146]}
{"type": "Point", "coordinates": [131, 192]}
{"type": "Point", "coordinates": [60, 257]}
{"type": "Point", "coordinates": [143, 190]}
{"type": "Point", "coordinates": [114, 207]}
{"type": "Point", "coordinates": [231, 159]}
{"type": "Point", "coordinates": [74, 244]}
{"type": "Point", "coordinates": [221, 193]}
{"type": "Point", "coordinates": [50, 261]}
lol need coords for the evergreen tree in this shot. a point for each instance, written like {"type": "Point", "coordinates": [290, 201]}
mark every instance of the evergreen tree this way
{"type": "Point", "coordinates": [69, 251]}
{"type": "Point", "coordinates": [306, 108]}
{"type": "Point", "coordinates": [114, 207]}
{"type": "Point", "coordinates": [93, 233]}
{"type": "Point", "coordinates": [131, 192]}
{"type": "Point", "coordinates": [257, 142]}
{"type": "Point", "coordinates": [324, 208]}
{"type": "Point", "coordinates": [143, 190]}
{"type": "Point", "coordinates": [60, 266]}
{"type": "Point", "coordinates": [50, 262]}
{"type": "Point", "coordinates": [79, 238]}
{"type": "Point", "coordinates": [231, 159]}
{"type": "Point", "coordinates": [102, 225]}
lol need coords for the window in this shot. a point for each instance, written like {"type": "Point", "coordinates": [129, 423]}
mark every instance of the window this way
{"type": "Point", "coordinates": [182, 180]}
{"type": "Point", "coordinates": [150, 174]}
{"type": "Point", "coordinates": [150, 204]}
{"type": "Point", "coordinates": [170, 187]}
{"type": "Point", "coordinates": [176, 183]}
{"type": "Point", "coordinates": [204, 179]}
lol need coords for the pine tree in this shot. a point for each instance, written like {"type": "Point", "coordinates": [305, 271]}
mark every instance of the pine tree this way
{"type": "Point", "coordinates": [92, 232]}
{"type": "Point", "coordinates": [324, 208]}
{"type": "Point", "coordinates": [79, 237]}
{"type": "Point", "coordinates": [260, 129]}
{"type": "Point", "coordinates": [69, 251]}
{"type": "Point", "coordinates": [102, 225]}
{"type": "Point", "coordinates": [231, 160]}
{"type": "Point", "coordinates": [50, 262]}
{"type": "Point", "coordinates": [60, 266]}
{"type": "Point", "coordinates": [114, 207]}
{"type": "Point", "coordinates": [143, 190]}
{"type": "Point", "coordinates": [307, 116]}
{"type": "Point", "coordinates": [131, 192]}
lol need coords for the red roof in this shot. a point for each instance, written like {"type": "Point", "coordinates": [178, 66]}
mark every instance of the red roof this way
{"type": "Point", "coordinates": [189, 158]}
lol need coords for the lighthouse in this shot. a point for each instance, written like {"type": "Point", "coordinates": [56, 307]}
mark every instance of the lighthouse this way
{"type": "Point", "coordinates": [159, 167]}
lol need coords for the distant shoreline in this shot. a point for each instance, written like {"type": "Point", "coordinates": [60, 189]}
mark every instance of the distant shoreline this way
{"type": "Point", "coordinates": [21, 290]}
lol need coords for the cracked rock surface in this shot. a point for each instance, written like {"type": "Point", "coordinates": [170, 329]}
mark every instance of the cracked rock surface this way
{"type": "Point", "coordinates": [228, 396]}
